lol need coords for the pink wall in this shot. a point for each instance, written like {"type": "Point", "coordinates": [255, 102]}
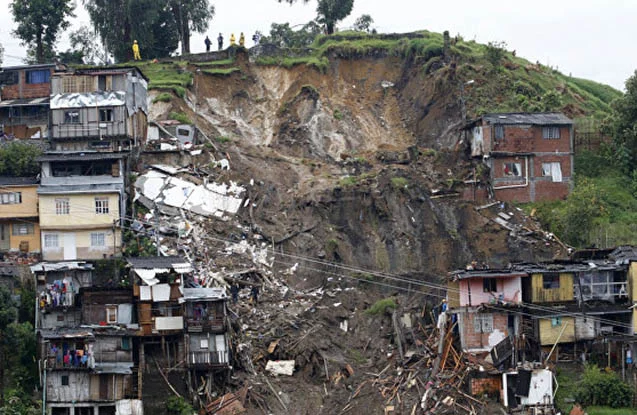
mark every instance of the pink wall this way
{"type": "Point", "coordinates": [511, 287]}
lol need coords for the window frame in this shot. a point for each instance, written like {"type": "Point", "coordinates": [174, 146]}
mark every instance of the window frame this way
{"type": "Point", "coordinates": [511, 166]}
{"type": "Point", "coordinates": [49, 238]}
{"type": "Point", "coordinates": [551, 132]}
{"type": "Point", "coordinates": [72, 117]}
{"type": "Point", "coordinates": [126, 343]}
{"type": "Point", "coordinates": [205, 342]}
{"type": "Point", "coordinates": [30, 229]}
{"type": "Point", "coordinates": [498, 132]}
{"type": "Point", "coordinates": [64, 381]}
{"type": "Point", "coordinates": [102, 205]}
{"type": "Point", "coordinates": [488, 283]}
{"type": "Point", "coordinates": [106, 115]}
{"type": "Point", "coordinates": [100, 238]}
{"type": "Point", "coordinates": [62, 206]}
{"type": "Point", "coordinates": [483, 323]}
{"type": "Point", "coordinates": [30, 73]}
{"type": "Point", "coordinates": [111, 314]}
{"type": "Point", "coordinates": [551, 281]}
{"type": "Point", "coordinates": [10, 198]}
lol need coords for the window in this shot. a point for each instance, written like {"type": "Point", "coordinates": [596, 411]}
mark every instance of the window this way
{"type": "Point", "coordinates": [62, 206]}
{"type": "Point", "coordinates": [106, 115]}
{"type": "Point", "coordinates": [111, 314]}
{"type": "Point", "coordinates": [38, 77]}
{"type": "Point", "coordinates": [98, 240]}
{"type": "Point", "coordinates": [553, 170]}
{"type": "Point", "coordinates": [513, 169]}
{"type": "Point", "coordinates": [203, 344]}
{"type": "Point", "coordinates": [126, 343]}
{"type": "Point", "coordinates": [51, 240]}
{"type": "Point", "coordinates": [556, 321]}
{"type": "Point", "coordinates": [483, 323]}
{"type": "Point", "coordinates": [23, 229]}
{"type": "Point", "coordinates": [71, 117]}
{"type": "Point", "coordinates": [489, 285]}
{"type": "Point", "coordinates": [101, 205]}
{"type": "Point", "coordinates": [65, 380]}
{"type": "Point", "coordinates": [550, 281]}
{"type": "Point", "coordinates": [499, 132]}
{"type": "Point", "coordinates": [11, 198]}
{"type": "Point", "coordinates": [551, 133]}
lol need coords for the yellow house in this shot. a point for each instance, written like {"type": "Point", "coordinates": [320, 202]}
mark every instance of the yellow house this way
{"type": "Point", "coordinates": [551, 287]}
{"type": "Point", "coordinates": [79, 223]}
{"type": "Point", "coordinates": [19, 228]}
{"type": "Point", "coordinates": [557, 330]}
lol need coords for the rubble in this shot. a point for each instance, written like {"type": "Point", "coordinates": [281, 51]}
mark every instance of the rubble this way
{"type": "Point", "coordinates": [280, 367]}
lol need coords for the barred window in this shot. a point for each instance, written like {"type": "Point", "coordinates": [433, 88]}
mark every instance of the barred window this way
{"type": "Point", "coordinates": [101, 205]}
{"type": "Point", "coordinates": [11, 198]}
{"type": "Point", "coordinates": [62, 206]}
{"type": "Point", "coordinates": [71, 117]}
{"type": "Point", "coordinates": [551, 133]}
{"type": "Point", "coordinates": [483, 323]}
{"type": "Point", "coordinates": [499, 132]}
{"type": "Point", "coordinates": [23, 229]}
{"type": "Point", "coordinates": [106, 115]}
{"type": "Point", "coordinates": [98, 240]}
{"type": "Point", "coordinates": [51, 240]}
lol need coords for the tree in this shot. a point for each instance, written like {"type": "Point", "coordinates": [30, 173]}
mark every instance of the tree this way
{"type": "Point", "coordinates": [330, 12]}
{"type": "Point", "coordinates": [495, 53]}
{"type": "Point", "coordinates": [8, 315]}
{"type": "Point", "coordinates": [363, 23]}
{"type": "Point", "coordinates": [191, 16]}
{"type": "Point", "coordinates": [19, 159]}
{"type": "Point", "coordinates": [40, 22]}
{"type": "Point", "coordinates": [282, 35]}
{"type": "Point", "coordinates": [119, 22]}
{"type": "Point", "coordinates": [622, 126]}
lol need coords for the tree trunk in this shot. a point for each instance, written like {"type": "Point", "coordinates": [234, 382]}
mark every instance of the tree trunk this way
{"type": "Point", "coordinates": [330, 28]}
{"type": "Point", "coordinates": [39, 49]}
{"type": "Point", "coordinates": [186, 39]}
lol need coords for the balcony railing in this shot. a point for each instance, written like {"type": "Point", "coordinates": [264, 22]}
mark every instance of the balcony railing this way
{"type": "Point", "coordinates": [214, 358]}
{"type": "Point", "coordinates": [211, 324]}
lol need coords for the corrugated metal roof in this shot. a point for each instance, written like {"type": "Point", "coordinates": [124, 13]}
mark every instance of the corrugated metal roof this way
{"type": "Point", "coordinates": [81, 156]}
{"type": "Point", "coordinates": [488, 273]}
{"type": "Point", "coordinates": [537, 118]}
{"type": "Point", "coordinates": [24, 102]}
{"type": "Point", "coordinates": [156, 261]}
{"type": "Point", "coordinates": [18, 181]}
{"type": "Point", "coordinates": [216, 293]}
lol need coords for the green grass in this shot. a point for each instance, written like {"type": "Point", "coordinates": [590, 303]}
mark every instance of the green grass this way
{"type": "Point", "coordinates": [348, 181]}
{"type": "Point", "coordinates": [221, 71]}
{"type": "Point", "coordinates": [222, 62]}
{"type": "Point", "coordinates": [399, 182]}
{"type": "Point", "coordinates": [381, 306]}
{"type": "Point", "coordinates": [223, 139]}
{"type": "Point", "coordinates": [163, 97]}
{"type": "Point", "coordinates": [320, 63]}
{"type": "Point", "coordinates": [179, 116]}
{"type": "Point", "coordinates": [603, 410]}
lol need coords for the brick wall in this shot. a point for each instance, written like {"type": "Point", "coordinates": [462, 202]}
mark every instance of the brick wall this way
{"type": "Point", "coordinates": [473, 340]}
{"type": "Point", "coordinates": [490, 386]}
{"type": "Point", "coordinates": [520, 139]}
{"type": "Point", "coordinates": [22, 90]}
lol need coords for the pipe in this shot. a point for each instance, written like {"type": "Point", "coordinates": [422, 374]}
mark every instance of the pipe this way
{"type": "Point", "coordinates": [526, 181]}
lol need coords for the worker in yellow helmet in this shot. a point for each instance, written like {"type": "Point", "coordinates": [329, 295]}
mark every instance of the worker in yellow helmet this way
{"type": "Point", "coordinates": [233, 41]}
{"type": "Point", "coordinates": [136, 55]}
{"type": "Point", "coordinates": [242, 40]}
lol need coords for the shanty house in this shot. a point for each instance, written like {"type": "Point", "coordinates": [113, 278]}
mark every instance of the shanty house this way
{"type": "Point", "coordinates": [486, 306]}
{"type": "Point", "coordinates": [529, 155]}
{"type": "Point", "coordinates": [98, 109]}
{"type": "Point", "coordinates": [19, 224]}
{"type": "Point", "coordinates": [24, 100]}
{"type": "Point", "coordinates": [82, 197]}
{"type": "Point", "coordinates": [206, 340]}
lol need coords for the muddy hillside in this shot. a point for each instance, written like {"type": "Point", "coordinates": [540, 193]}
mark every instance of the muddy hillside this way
{"type": "Point", "coordinates": [361, 164]}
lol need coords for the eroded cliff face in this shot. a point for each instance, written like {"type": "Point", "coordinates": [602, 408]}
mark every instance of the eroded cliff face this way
{"type": "Point", "coordinates": [354, 165]}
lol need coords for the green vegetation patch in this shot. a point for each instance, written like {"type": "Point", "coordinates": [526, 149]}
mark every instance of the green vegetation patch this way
{"type": "Point", "coordinates": [222, 62]}
{"type": "Point", "coordinates": [319, 63]}
{"type": "Point", "coordinates": [222, 71]}
{"type": "Point", "coordinates": [399, 182]}
{"type": "Point", "coordinates": [179, 116]}
{"type": "Point", "coordinates": [382, 306]}
{"type": "Point", "coordinates": [162, 97]}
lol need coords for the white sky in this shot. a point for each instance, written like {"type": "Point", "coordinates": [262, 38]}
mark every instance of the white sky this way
{"type": "Point", "coordinates": [591, 39]}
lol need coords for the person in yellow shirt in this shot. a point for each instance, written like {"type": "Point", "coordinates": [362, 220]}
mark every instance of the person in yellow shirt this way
{"type": "Point", "coordinates": [232, 40]}
{"type": "Point", "coordinates": [136, 55]}
{"type": "Point", "coordinates": [242, 40]}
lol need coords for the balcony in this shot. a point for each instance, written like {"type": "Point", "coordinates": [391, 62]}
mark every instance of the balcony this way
{"type": "Point", "coordinates": [209, 359]}
{"type": "Point", "coordinates": [211, 324]}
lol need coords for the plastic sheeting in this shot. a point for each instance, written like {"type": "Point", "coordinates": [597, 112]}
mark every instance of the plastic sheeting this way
{"type": "Point", "coordinates": [161, 292]}
{"type": "Point", "coordinates": [124, 314]}
{"type": "Point", "coordinates": [93, 99]}
{"type": "Point", "coordinates": [145, 293]}
{"type": "Point", "coordinates": [148, 275]}
{"type": "Point", "coordinates": [129, 407]}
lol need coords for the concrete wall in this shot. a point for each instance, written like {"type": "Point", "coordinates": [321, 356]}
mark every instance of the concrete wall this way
{"type": "Point", "coordinates": [81, 249]}
{"type": "Point", "coordinates": [81, 211]}
{"type": "Point", "coordinates": [28, 207]}
{"type": "Point", "coordinates": [472, 291]}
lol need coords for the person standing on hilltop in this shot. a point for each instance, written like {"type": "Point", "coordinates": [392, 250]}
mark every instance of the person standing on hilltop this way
{"type": "Point", "coordinates": [220, 41]}
{"type": "Point", "coordinates": [242, 40]}
{"type": "Point", "coordinates": [232, 40]}
{"type": "Point", "coordinates": [208, 43]}
{"type": "Point", "coordinates": [136, 55]}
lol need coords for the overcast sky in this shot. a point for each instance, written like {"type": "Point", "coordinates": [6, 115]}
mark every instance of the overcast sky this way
{"type": "Point", "coordinates": [591, 39]}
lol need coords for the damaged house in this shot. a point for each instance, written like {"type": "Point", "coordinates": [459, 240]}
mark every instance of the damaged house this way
{"type": "Point", "coordinates": [85, 341]}
{"type": "Point", "coordinates": [24, 100]}
{"type": "Point", "coordinates": [19, 224]}
{"type": "Point", "coordinates": [529, 155]}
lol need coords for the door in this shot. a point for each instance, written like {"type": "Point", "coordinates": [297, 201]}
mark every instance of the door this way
{"type": "Point", "coordinates": [70, 251]}
{"type": "Point", "coordinates": [5, 242]}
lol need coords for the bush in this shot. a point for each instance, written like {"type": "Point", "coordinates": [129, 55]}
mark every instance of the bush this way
{"type": "Point", "coordinates": [494, 52]}
{"type": "Point", "coordinates": [603, 388]}
{"type": "Point", "coordinates": [178, 406]}
{"type": "Point", "coordinates": [180, 116]}
{"type": "Point", "coordinates": [381, 306]}
{"type": "Point", "coordinates": [163, 97]}
{"type": "Point", "coordinates": [399, 182]}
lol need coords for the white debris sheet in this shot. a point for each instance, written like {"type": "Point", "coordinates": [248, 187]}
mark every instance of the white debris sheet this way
{"type": "Point", "coordinates": [211, 199]}
{"type": "Point", "coordinates": [280, 367]}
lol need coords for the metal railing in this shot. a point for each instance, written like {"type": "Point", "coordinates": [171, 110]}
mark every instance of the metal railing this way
{"type": "Point", "coordinates": [214, 358]}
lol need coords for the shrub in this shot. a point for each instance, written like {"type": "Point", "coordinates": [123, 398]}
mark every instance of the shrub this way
{"type": "Point", "coordinates": [603, 388]}
{"type": "Point", "coordinates": [494, 52]}
{"type": "Point", "coordinates": [178, 406]}
{"type": "Point", "coordinates": [163, 97]}
{"type": "Point", "coordinates": [381, 306]}
{"type": "Point", "coordinates": [180, 116]}
{"type": "Point", "coordinates": [399, 182]}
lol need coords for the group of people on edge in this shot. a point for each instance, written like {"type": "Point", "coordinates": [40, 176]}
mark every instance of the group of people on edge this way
{"type": "Point", "coordinates": [233, 40]}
